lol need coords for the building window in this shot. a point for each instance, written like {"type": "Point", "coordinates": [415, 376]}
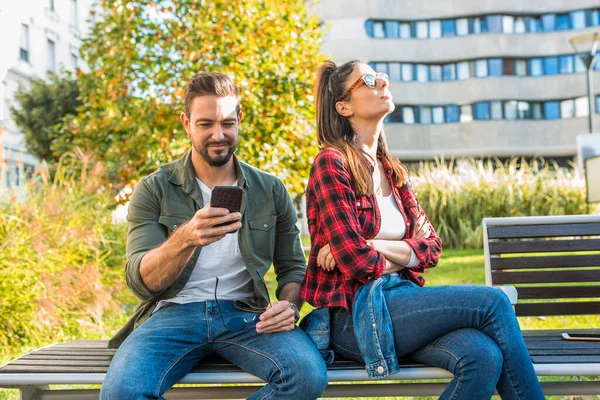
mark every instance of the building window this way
{"type": "Point", "coordinates": [551, 65]}
{"type": "Point", "coordinates": [535, 67]}
{"type": "Point", "coordinates": [508, 67]}
{"type": "Point", "coordinates": [438, 115]}
{"type": "Point", "coordinates": [466, 113]}
{"type": "Point", "coordinates": [51, 56]}
{"type": "Point", "coordinates": [510, 109]}
{"type": "Point", "coordinates": [520, 26]}
{"type": "Point", "coordinates": [578, 19]}
{"type": "Point", "coordinates": [481, 68]}
{"type": "Point", "coordinates": [536, 111]}
{"type": "Point", "coordinates": [563, 22]}
{"type": "Point", "coordinates": [494, 24]}
{"type": "Point", "coordinates": [408, 115]}
{"type": "Point", "coordinates": [394, 71]}
{"type": "Point", "coordinates": [435, 29]}
{"type": "Point", "coordinates": [520, 67]}
{"type": "Point", "coordinates": [422, 73]}
{"type": "Point", "coordinates": [449, 72]}
{"type": "Point", "coordinates": [381, 67]}
{"type": "Point", "coordinates": [463, 70]}
{"type": "Point", "coordinates": [395, 116]}
{"type": "Point", "coordinates": [549, 22]}
{"type": "Point", "coordinates": [452, 113]}
{"type": "Point", "coordinates": [508, 24]}
{"type": "Point", "coordinates": [579, 65]}
{"type": "Point", "coordinates": [421, 29]}
{"type": "Point", "coordinates": [496, 110]}
{"type": "Point", "coordinates": [435, 73]}
{"type": "Point", "coordinates": [448, 27]}
{"type": "Point", "coordinates": [425, 115]}
{"type": "Point", "coordinates": [24, 46]}
{"type": "Point", "coordinates": [593, 17]}
{"type": "Point", "coordinates": [552, 110]}
{"type": "Point", "coordinates": [567, 109]}
{"type": "Point", "coordinates": [51, 5]}
{"type": "Point", "coordinates": [523, 110]}
{"type": "Point", "coordinates": [582, 108]}
{"type": "Point", "coordinates": [495, 67]}
{"type": "Point", "coordinates": [534, 24]}
{"type": "Point", "coordinates": [74, 14]}
{"type": "Point", "coordinates": [462, 26]}
{"type": "Point", "coordinates": [407, 72]}
{"type": "Point", "coordinates": [481, 111]}
{"type": "Point", "coordinates": [566, 65]}
{"type": "Point", "coordinates": [405, 30]}
{"type": "Point", "coordinates": [378, 30]}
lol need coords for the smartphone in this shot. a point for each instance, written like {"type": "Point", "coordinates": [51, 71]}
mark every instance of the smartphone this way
{"type": "Point", "coordinates": [229, 197]}
{"type": "Point", "coordinates": [581, 336]}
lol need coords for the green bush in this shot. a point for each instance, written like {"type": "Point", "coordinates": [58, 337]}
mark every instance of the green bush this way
{"type": "Point", "coordinates": [458, 195]}
{"type": "Point", "coordinates": [61, 260]}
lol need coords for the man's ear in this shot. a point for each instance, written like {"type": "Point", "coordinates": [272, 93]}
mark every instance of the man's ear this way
{"type": "Point", "coordinates": [342, 108]}
{"type": "Point", "coordinates": [185, 121]}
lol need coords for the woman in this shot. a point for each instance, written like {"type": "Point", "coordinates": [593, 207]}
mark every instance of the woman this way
{"type": "Point", "coordinates": [365, 224]}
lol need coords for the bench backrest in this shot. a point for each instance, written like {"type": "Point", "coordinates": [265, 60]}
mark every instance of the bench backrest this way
{"type": "Point", "coordinates": [554, 262]}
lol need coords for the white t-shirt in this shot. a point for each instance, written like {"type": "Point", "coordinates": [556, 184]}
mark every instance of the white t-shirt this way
{"type": "Point", "coordinates": [393, 226]}
{"type": "Point", "coordinates": [220, 259]}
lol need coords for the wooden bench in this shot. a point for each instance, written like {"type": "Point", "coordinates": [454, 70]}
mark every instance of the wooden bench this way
{"type": "Point", "coordinates": [85, 362]}
{"type": "Point", "coordinates": [552, 265]}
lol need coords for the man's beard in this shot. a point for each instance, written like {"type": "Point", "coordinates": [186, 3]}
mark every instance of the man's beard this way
{"type": "Point", "coordinates": [218, 160]}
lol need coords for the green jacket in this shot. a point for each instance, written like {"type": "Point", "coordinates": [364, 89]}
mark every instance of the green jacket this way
{"type": "Point", "coordinates": [170, 196]}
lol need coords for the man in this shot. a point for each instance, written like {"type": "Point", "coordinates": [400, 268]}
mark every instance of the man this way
{"type": "Point", "coordinates": [201, 285]}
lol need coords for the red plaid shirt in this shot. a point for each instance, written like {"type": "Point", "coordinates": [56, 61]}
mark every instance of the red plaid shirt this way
{"type": "Point", "coordinates": [338, 217]}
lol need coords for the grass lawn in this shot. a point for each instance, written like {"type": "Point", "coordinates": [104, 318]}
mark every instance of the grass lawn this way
{"type": "Point", "coordinates": [455, 267]}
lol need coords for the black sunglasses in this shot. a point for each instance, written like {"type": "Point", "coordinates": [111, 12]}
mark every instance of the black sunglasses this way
{"type": "Point", "coordinates": [239, 323]}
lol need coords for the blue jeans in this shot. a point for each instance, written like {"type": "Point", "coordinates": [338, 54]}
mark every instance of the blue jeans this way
{"type": "Point", "coordinates": [171, 342]}
{"type": "Point", "coordinates": [471, 331]}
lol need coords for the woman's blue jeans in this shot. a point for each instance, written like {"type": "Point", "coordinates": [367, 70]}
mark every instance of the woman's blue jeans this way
{"type": "Point", "coordinates": [471, 331]}
{"type": "Point", "coordinates": [171, 342]}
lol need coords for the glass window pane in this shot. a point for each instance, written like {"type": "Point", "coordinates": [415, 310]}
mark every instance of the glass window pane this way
{"type": "Point", "coordinates": [435, 29]}
{"type": "Point", "coordinates": [578, 19]}
{"type": "Point", "coordinates": [549, 22]}
{"type": "Point", "coordinates": [435, 72]}
{"type": "Point", "coordinates": [494, 23]}
{"type": "Point", "coordinates": [598, 104]}
{"type": "Point", "coordinates": [566, 65]}
{"type": "Point", "coordinates": [535, 67]}
{"type": "Point", "coordinates": [508, 67]}
{"type": "Point", "coordinates": [495, 67]}
{"type": "Point", "coordinates": [438, 115]}
{"type": "Point", "coordinates": [466, 113]}
{"type": "Point", "coordinates": [481, 111]}
{"type": "Point", "coordinates": [508, 24]}
{"type": "Point", "coordinates": [407, 72]}
{"type": "Point", "coordinates": [534, 24]}
{"type": "Point", "coordinates": [594, 17]}
{"type": "Point", "coordinates": [422, 29]}
{"type": "Point", "coordinates": [510, 109]}
{"type": "Point", "coordinates": [567, 109]}
{"type": "Point", "coordinates": [394, 71]}
{"type": "Point", "coordinates": [481, 68]}
{"type": "Point", "coordinates": [582, 108]}
{"type": "Point", "coordinates": [563, 22]}
{"type": "Point", "coordinates": [476, 27]}
{"type": "Point", "coordinates": [523, 110]}
{"type": "Point", "coordinates": [452, 113]}
{"type": "Point", "coordinates": [408, 115]}
{"type": "Point", "coordinates": [395, 116]}
{"type": "Point", "coordinates": [422, 73]}
{"type": "Point", "coordinates": [51, 60]}
{"type": "Point", "coordinates": [381, 67]}
{"type": "Point", "coordinates": [369, 27]}
{"type": "Point", "coordinates": [520, 67]}
{"type": "Point", "coordinates": [424, 115]}
{"type": "Point", "coordinates": [462, 26]}
{"type": "Point", "coordinates": [579, 65]}
{"type": "Point", "coordinates": [392, 29]}
{"type": "Point", "coordinates": [520, 25]}
{"type": "Point", "coordinates": [597, 65]}
{"type": "Point", "coordinates": [551, 65]}
{"type": "Point", "coordinates": [449, 72]}
{"type": "Point", "coordinates": [552, 110]}
{"type": "Point", "coordinates": [496, 110]}
{"type": "Point", "coordinates": [378, 31]}
{"type": "Point", "coordinates": [448, 27]}
{"type": "Point", "coordinates": [463, 70]}
{"type": "Point", "coordinates": [536, 111]}
{"type": "Point", "coordinates": [405, 30]}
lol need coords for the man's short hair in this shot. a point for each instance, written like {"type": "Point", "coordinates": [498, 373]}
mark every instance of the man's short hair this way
{"type": "Point", "coordinates": [210, 84]}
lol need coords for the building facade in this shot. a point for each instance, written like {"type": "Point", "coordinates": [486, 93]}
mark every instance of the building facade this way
{"type": "Point", "coordinates": [475, 78]}
{"type": "Point", "coordinates": [38, 36]}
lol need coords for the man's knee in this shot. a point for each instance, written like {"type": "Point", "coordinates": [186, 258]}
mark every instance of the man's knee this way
{"type": "Point", "coordinates": [305, 375]}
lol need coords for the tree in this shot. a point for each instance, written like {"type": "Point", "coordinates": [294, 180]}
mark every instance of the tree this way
{"type": "Point", "coordinates": [141, 54]}
{"type": "Point", "coordinates": [40, 110]}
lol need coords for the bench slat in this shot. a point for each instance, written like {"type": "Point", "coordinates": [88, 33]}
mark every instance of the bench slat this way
{"type": "Point", "coordinates": [545, 230]}
{"type": "Point", "coordinates": [566, 308]}
{"type": "Point", "coordinates": [563, 359]}
{"type": "Point", "coordinates": [567, 261]}
{"type": "Point", "coordinates": [543, 246]}
{"type": "Point", "coordinates": [502, 278]}
{"type": "Point", "coordinates": [557, 292]}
